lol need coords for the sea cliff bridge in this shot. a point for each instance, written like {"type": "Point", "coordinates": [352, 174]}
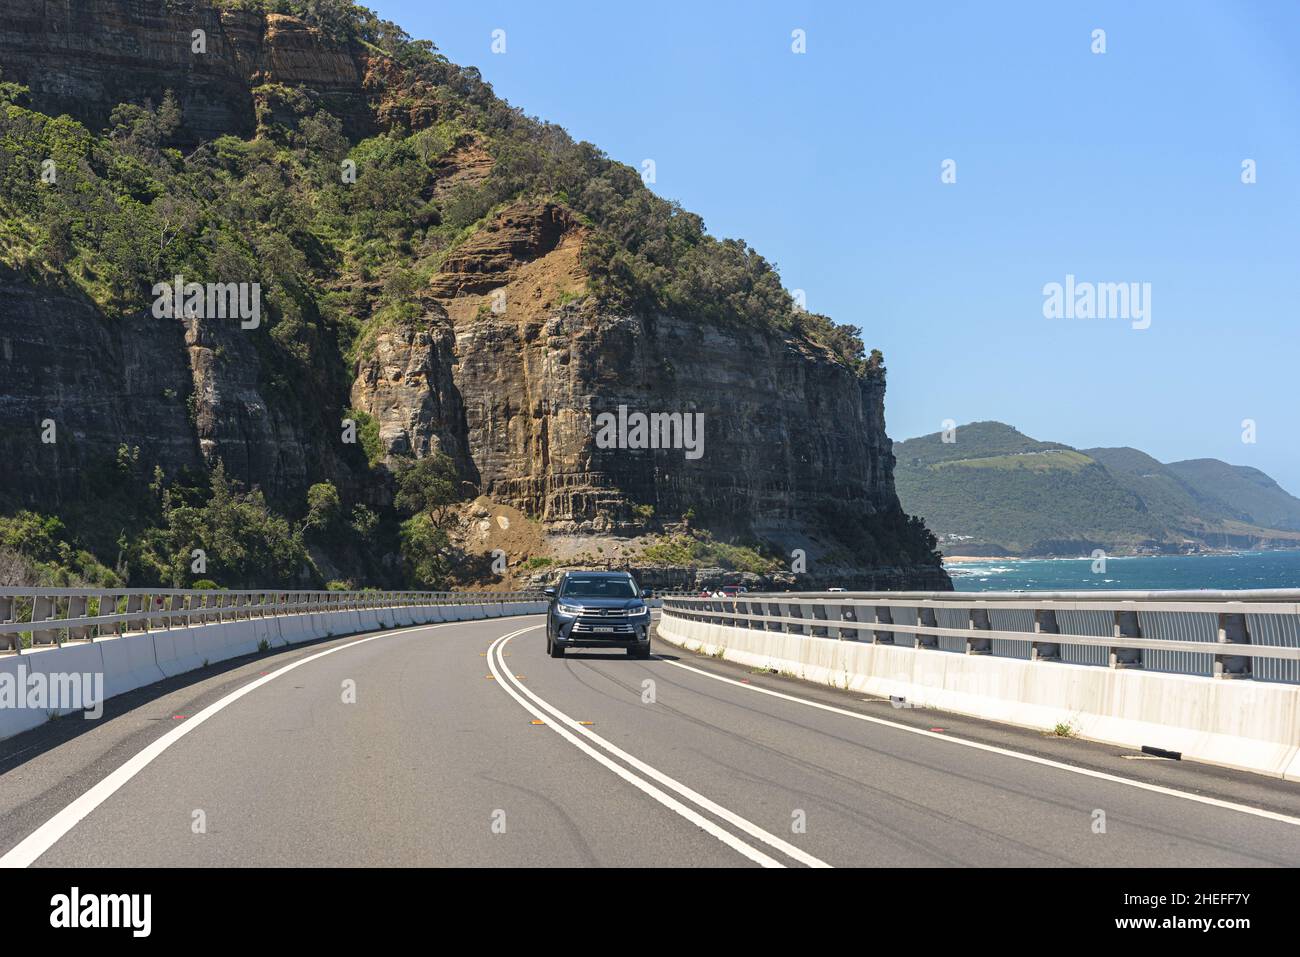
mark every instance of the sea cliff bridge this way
{"type": "Point", "coordinates": [783, 729]}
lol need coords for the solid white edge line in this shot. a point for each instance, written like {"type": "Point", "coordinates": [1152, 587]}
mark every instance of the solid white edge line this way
{"type": "Point", "coordinates": [753, 830]}
{"type": "Point", "coordinates": [1006, 752]}
{"type": "Point", "coordinates": [29, 849]}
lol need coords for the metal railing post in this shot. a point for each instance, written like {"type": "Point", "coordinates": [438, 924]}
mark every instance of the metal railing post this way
{"type": "Point", "coordinates": [1233, 630]}
{"type": "Point", "coordinates": [1045, 624]}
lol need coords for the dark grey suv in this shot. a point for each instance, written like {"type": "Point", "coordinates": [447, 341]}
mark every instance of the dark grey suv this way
{"type": "Point", "coordinates": [598, 610]}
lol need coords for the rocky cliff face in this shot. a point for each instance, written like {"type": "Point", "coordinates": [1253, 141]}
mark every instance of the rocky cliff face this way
{"type": "Point", "coordinates": [506, 367]}
{"type": "Point", "coordinates": [83, 57]}
{"type": "Point", "coordinates": [185, 392]}
{"type": "Point", "coordinates": [100, 384]}
{"type": "Point", "coordinates": [509, 376]}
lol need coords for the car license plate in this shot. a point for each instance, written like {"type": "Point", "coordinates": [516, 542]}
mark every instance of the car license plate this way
{"type": "Point", "coordinates": [603, 629]}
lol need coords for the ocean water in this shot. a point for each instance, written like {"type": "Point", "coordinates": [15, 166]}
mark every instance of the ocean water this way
{"type": "Point", "coordinates": [1237, 570]}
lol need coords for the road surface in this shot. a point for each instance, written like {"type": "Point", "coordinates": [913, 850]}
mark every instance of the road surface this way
{"type": "Point", "coordinates": [464, 745]}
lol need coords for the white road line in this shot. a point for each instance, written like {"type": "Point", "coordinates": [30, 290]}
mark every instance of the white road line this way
{"type": "Point", "coordinates": [1006, 752]}
{"type": "Point", "coordinates": [30, 848]}
{"type": "Point", "coordinates": [507, 681]}
{"type": "Point", "coordinates": [753, 853]}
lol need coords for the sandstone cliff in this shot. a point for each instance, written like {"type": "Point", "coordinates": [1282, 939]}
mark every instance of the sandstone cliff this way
{"type": "Point", "coordinates": [83, 57]}
{"type": "Point", "coordinates": [184, 392]}
{"type": "Point", "coordinates": [507, 376]}
{"type": "Point", "coordinates": [502, 355]}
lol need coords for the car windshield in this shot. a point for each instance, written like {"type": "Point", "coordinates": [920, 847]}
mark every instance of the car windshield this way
{"type": "Point", "coordinates": [592, 586]}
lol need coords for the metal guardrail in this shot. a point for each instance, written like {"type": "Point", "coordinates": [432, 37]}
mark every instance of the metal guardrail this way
{"type": "Point", "coordinates": [1241, 634]}
{"type": "Point", "coordinates": [33, 617]}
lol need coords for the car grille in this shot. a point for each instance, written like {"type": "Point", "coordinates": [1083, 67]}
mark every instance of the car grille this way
{"type": "Point", "coordinates": [588, 623]}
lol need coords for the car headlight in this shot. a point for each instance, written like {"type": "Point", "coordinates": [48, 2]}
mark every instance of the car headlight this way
{"type": "Point", "coordinates": [568, 611]}
{"type": "Point", "coordinates": [642, 612]}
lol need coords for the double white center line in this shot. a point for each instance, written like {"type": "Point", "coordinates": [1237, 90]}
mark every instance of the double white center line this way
{"type": "Point", "coordinates": [637, 772]}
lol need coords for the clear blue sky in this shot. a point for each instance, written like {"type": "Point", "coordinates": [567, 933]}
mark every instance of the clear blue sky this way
{"type": "Point", "coordinates": [1118, 167]}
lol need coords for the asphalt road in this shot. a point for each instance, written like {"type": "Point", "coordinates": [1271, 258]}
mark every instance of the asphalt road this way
{"type": "Point", "coordinates": [677, 761]}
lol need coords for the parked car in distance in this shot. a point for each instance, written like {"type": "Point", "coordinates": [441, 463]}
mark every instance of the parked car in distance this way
{"type": "Point", "coordinates": [597, 610]}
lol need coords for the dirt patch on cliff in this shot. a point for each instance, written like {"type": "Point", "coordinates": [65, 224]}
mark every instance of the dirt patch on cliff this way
{"type": "Point", "coordinates": [486, 526]}
{"type": "Point", "coordinates": [525, 262]}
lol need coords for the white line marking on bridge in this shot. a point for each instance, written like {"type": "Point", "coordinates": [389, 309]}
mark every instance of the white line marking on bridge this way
{"type": "Point", "coordinates": [27, 851]}
{"type": "Point", "coordinates": [753, 830]}
{"type": "Point", "coordinates": [993, 749]}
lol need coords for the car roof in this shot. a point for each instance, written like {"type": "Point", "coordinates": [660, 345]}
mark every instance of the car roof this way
{"type": "Point", "coordinates": [600, 574]}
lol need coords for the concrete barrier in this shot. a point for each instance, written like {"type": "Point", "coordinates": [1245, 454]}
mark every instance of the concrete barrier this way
{"type": "Point", "coordinates": [229, 639]}
{"type": "Point", "coordinates": [214, 642]}
{"type": "Point", "coordinates": [293, 629]}
{"type": "Point", "coordinates": [19, 672]}
{"type": "Point", "coordinates": [136, 660]}
{"type": "Point", "coordinates": [129, 663]}
{"type": "Point", "coordinates": [177, 651]}
{"type": "Point", "coordinates": [266, 631]}
{"type": "Point", "coordinates": [1242, 724]}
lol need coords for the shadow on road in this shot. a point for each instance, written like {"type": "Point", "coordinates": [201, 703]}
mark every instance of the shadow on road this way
{"type": "Point", "coordinates": [23, 747]}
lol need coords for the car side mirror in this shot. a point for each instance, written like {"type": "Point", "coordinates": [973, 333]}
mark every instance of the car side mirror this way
{"type": "Point", "coordinates": [548, 592]}
{"type": "Point", "coordinates": [646, 592]}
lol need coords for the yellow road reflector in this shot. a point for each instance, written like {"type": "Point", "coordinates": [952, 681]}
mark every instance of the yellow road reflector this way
{"type": "Point", "coordinates": [519, 676]}
{"type": "Point", "coordinates": [536, 722]}
{"type": "Point", "coordinates": [588, 723]}
{"type": "Point", "coordinates": [490, 677]}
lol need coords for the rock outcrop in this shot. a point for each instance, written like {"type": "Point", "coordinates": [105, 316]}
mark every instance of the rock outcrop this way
{"type": "Point", "coordinates": [185, 392]}
{"type": "Point", "coordinates": [507, 365]}
{"type": "Point", "coordinates": [99, 384]}
{"type": "Point", "coordinates": [83, 57]}
{"type": "Point", "coordinates": [510, 372]}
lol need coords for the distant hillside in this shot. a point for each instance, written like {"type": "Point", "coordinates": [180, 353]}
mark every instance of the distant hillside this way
{"type": "Point", "coordinates": [994, 490]}
{"type": "Point", "coordinates": [1261, 500]}
{"type": "Point", "coordinates": [1161, 487]}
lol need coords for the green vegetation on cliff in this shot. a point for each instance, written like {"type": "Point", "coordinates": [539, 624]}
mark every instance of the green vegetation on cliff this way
{"type": "Point", "coordinates": [126, 208]}
{"type": "Point", "coordinates": [700, 549]}
{"type": "Point", "coordinates": [105, 214]}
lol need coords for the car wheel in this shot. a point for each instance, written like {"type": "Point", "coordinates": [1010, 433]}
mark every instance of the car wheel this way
{"type": "Point", "coordinates": [554, 650]}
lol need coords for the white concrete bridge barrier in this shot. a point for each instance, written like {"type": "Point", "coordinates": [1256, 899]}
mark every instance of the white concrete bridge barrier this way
{"type": "Point", "coordinates": [1210, 676]}
{"type": "Point", "coordinates": [121, 639]}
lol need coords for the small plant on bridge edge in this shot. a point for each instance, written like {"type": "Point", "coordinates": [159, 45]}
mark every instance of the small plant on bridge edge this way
{"type": "Point", "coordinates": [1064, 729]}
{"type": "Point", "coordinates": [263, 645]}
